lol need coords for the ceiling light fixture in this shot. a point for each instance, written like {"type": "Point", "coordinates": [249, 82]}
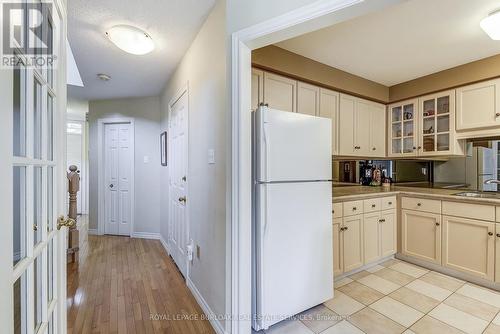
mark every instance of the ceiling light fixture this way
{"type": "Point", "coordinates": [131, 39]}
{"type": "Point", "coordinates": [491, 25]}
{"type": "Point", "coordinates": [104, 77]}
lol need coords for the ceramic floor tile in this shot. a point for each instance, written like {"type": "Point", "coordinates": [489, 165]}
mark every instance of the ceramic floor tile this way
{"type": "Point", "coordinates": [342, 282]}
{"type": "Point", "coordinates": [395, 276]}
{"type": "Point", "coordinates": [378, 283]}
{"type": "Point", "coordinates": [372, 322]}
{"type": "Point", "coordinates": [414, 299]}
{"type": "Point", "coordinates": [319, 318]}
{"type": "Point", "coordinates": [443, 281]}
{"type": "Point", "coordinates": [399, 312]}
{"type": "Point", "coordinates": [429, 325]}
{"type": "Point", "coordinates": [472, 306]}
{"type": "Point", "coordinates": [492, 329]}
{"type": "Point", "coordinates": [409, 269]}
{"type": "Point", "coordinates": [361, 293]}
{"type": "Point", "coordinates": [343, 327]}
{"type": "Point", "coordinates": [429, 290]}
{"type": "Point", "coordinates": [483, 295]}
{"type": "Point", "coordinates": [375, 269]}
{"type": "Point", "coordinates": [496, 320]}
{"type": "Point", "coordinates": [359, 275]}
{"type": "Point", "coordinates": [458, 319]}
{"type": "Point", "coordinates": [409, 331]}
{"type": "Point", "coordinates": [343, 305]}
{"type": "Point", "coordinates": [288, 327]}
{"type": "Point", "coordinates": [389, 263]}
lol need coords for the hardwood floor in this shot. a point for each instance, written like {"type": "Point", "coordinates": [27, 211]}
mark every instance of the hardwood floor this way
{"type": "Point", "coordinates": [120, 283]}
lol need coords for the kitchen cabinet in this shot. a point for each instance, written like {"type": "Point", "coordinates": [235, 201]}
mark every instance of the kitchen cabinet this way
{"type": "Point", "coordinates": [497, 255]}
{"type": "Point", "coordinates": [338, 249]}
{"type": "Point", "coordinates": [469, 246]}
{"type": "Point", "coordinates": [379, 235]}
{"type": "Point", "coordinates": [280, 92]}
{"type": "Point", "coordinates": [352, 241]}
{"type": "Point", "coordinates": [388, 233]}
{"type": "Point", "coordinates": [329, 108]}
{"type": "Point", "coordinates": [257, 88]}
{"type": "Point", "coordinates": [478, 105]}
{"type": "Point", "coordinates": [402, 131]}
{"type": "Point", "coordinates": [421, 235]}
{"type": "Point", "coordinates": [308, 99]}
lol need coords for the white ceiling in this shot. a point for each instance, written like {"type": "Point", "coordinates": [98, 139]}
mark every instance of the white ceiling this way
{"type": "Point", "coordinates": [404, 41]}
{"type": "Point", "coordinates": [172, 24]}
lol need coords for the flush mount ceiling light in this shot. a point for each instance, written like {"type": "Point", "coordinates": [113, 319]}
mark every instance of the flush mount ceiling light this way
{"type": "Point", "coordinates": [131, 39]}
{"type": "Point", "coordinates": [491, 25]}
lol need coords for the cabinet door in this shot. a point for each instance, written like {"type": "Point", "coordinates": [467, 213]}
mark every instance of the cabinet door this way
{"type": "Point", "coordinates": [347, 125]}
{"type": "Point", "coordinates": [257, 87]}
{"type": "Point", "coordinates": [362, 129]}
{"type": "Point", "coordinates": [478, 105]}
{"type": "Point", "coordinates": [280, 92]}
{"type": "Point", "coordinates": [352, 237]}
{"type": "Point", "coordinates": [388, 233]}
{"type": "Point", "coordinates": [338, 256]}
{"type": "Point", "coordinates": [402, 129]}
{"type": "Point", "coordinates": [371, 237]}
{"type": "Point", "coordinates": [377, 130]}
{"type": "Point", "coordinates": [469, 246]}
{"type": "Point", "coordinates": [497, 255]}
{"type": "Point", "coordinates": [421, 232]}
{"type": "Point", "coordinates": [329, 108]}
{"type": "Point", "coordinates": [307, 99]}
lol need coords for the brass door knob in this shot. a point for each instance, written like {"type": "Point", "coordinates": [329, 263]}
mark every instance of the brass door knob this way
{"type": "Point", "coordinates": [437, 224]}
{"type": "Point", "coordinates": [490, 233]}
{"type": "Point", "coordinates": [67, 222]}
{"type": "Point", "coordinates": [182, 199]}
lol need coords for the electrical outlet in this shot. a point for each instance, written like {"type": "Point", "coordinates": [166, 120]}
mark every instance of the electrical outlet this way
{"type": "Point", "coordinates": [198, 250]}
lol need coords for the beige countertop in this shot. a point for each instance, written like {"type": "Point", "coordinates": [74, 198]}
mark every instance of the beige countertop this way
{"type": "Point", "coordinates": [349, 193]}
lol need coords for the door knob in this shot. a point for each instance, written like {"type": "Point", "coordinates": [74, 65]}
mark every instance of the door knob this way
{"type": "Point", "coordinates": [437, 224]}
{"type": "Point", "coordinates": [498, 235]}
{"type": "Point", "coordinates": [182, 199]}
{"type": "Point", "coordinates": [67, 222]}
{"type": "Point", "coordinates": [497, 114]}
{"type": "Point", "coordinates": [184, 178]}
{"type": "Point", "coordinates": [111, 185]}
{"type": "Point", "coordinates": [490, 233]}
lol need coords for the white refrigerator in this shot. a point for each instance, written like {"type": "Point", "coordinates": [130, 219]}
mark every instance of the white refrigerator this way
{"type": "Point", "coordinates": [292, 223]}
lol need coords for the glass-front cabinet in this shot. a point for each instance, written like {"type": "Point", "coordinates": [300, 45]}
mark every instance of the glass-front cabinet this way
{"type": "Point", "coordinates": [403, 129]}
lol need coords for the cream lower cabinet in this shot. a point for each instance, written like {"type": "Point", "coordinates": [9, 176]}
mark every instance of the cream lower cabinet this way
{"type": "Point", "coordinates": [379, 235]}
{"type": "Point", "coordinates": [352, 242]}
{"type": "Point", "coordinates": [421, 235]}
{"type": "Point", "coordinates": [388, 233]}
{"type": "Point", "coordinates": [497, 255]}
{"type": "Point", "coordinates": [469, 246]}
{"type": "Point", "coordinates": [338, 254]}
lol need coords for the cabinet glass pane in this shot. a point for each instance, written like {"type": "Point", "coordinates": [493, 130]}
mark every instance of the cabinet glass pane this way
{"type": "Point", "coordinates": [408, 112]}
{"type": "Point", "coordinates": [50, 271]}
{"type": "Point", "coordinates": [37, 289]}
{"type": "Point", "coordinates": [19, 203]}
{"type": "Point", "coordinates": [428, 126]}
{"type": "Point", "coordinates": [37, 120]}
{"type": "Point", "coordinates": [428, 143]}
{"type": "Point", "coordinates": [408, 129]}
{"type": "Point", "coordinates": [429, 109]}
{"type": "Point", "coordinates": [19, 109]}
{"type": "Point", "coordinates": [37, 205]}
{"type": "Point", "coordinates": [50, 197]}
{"type": "Point", "coordinates": [396, 114]}
{"type": "Point", "coordinates": [443, 123]}
{"type": "Point", "coordinates": [408, 146]}
{"type": "Point", "coordinates": [50, 128]}
{"type": "Point", "coordinates": [443, 142]}
{"type": "Point", "coordinates": [20, 302]}
{"type": "Point", "coordinates": [396, 146]}
{"type": "Point", "coordinates": [443, 105]}
{"type": "Point", "coordinates": [396, 130]}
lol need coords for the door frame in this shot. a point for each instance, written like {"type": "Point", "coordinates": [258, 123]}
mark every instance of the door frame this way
{"type": "Point", "coordinates": [183, 90]}
{"type": "Point", "coordinates": [299, 21]}
{"type": "Point", "coordinates": [84, 190]}
{"type": "Point", "coordinates": [101, 122]}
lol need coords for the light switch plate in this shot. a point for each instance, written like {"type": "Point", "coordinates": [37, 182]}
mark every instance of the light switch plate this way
{"type": "Point", "coordinates": [211, 156]}
{"type": "Point", "coordinates": [146, 159]}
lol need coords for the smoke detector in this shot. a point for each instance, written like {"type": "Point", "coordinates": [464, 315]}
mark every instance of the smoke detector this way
{"type": "Point", "coordinates": [103, 77]}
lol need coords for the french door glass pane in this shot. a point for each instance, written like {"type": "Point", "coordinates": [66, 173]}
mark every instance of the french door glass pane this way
{"type": "Point", "coordinates": [50, 271]}
{"type": "Point", "coordinates": [37, 288]}
{"type": "Point", "coordinates": [37, 120]}
{"type": "Point", "coordinates": [37, 205]}
{"type": "Point", "coordinates": [50, 196]}
{"type": "Point", "coordinates": [19, 109]}
{"type": "Point", "coordinates": [20, 309]}
{"type": "Point", "coordinates": [50, 46]}
{"type": "Point", "coordinates": [50, 128]}
{"type": "Point", "coordinates": [19, 202]}
{"type": "Point", "coordinates": [51, 324]}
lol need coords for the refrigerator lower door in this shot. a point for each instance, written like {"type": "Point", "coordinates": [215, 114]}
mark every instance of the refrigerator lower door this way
{"type": "Point", "coordinates": [294, 252]}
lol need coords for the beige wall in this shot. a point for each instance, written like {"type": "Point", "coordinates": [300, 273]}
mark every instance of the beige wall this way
{"type": "Point", "coordinates": [302, 68]}
{"type": "Point", "coordinates": [203, 68]}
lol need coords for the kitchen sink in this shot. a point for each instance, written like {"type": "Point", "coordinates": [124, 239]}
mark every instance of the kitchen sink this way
{"type": "Point", "coordinates": [477, 194]}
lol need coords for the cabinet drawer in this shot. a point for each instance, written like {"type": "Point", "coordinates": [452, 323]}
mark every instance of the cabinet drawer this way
{"type": "Point", "coordinates": [353, 208]}
{"type": "Point", "coordinates": [372, 205]}
{"type": "Point", "coordinates": [466, 210]}
{"type": "Point", "coordinates": [337, 210]}
{"type": "Point", "coordinates": [421, 204]}
{"type": "Point", "coordinates": [389, 203]}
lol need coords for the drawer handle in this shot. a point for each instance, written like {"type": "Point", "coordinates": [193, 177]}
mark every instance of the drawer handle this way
{"type": "Point", "coordinates": [419, 204]}
{"type": "Point", "coordinates": [498, 235]}
{"type": "Point", "coordinates": [373, 205]}
{"type": "Point", "coordinates": [497, 114]}
{"type": "Point", "coordinates": [374, 149]}
{"type": "Point", "coordinates": [437, 224]}
{"type": "Point", "coordinates": [354, 209]}
{"type": "Point", "coordinates": [390, 203]}
{"type": "Point", "coordinates": [490, 233]}
{"type": "Point", "coordinates": [345, 228]}
{"type": "Point", "coordinates": [333, 211]}
{"type": "Point", "coordinates": [381, 220]}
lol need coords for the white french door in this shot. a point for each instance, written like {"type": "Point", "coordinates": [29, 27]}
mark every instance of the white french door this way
{"type": "Point", "coordinates": [32, 175]}
{"type": "Point", "coordinates": [177, 162]}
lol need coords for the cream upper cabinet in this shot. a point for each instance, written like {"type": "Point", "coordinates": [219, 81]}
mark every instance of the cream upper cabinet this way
{"type": "Point", "coordinates": [377, 130]}
{"type": "Point", "coordinates": [469, 246]}
{"type": "Point", "coordinates": [421, 235]}
{"type": "Point", "coordinates": [388, 233]}
{"type": "Point", "coordinates": [280, 92]}
{"type": "Point", "coordinates": [308, 99]}
{"type": "Point", "coordinates": [329, 108]}
{"type": "Point", "coordinates": [257, 87]}
{"type": "Point", "coordinates": [352, 236]}
{"type": "Point", "coordinates": [362, 127]}
{"type": "Point", "coordinates": [478, 105]}
{"type": "Point", "coordinates": [402, 129]}
{"type": "Point", "coordinates": [347, 119]}
{"type": "Point", "coordinates": [338, 254]}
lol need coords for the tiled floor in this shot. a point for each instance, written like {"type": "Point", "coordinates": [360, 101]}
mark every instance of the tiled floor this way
{"type": "Point", "coordinates": [398, 297]}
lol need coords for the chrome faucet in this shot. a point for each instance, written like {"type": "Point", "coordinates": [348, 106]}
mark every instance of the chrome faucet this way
{"type": "Point", "coordinates": [492, 181]}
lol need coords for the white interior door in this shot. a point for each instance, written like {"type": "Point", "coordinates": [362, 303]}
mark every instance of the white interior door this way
{"type": "Point", "coordinates": [118, 159]}
{"type": "Point", "coordinates": [32, 175]}
{"type": "Point", "coordinates": [177, 162]}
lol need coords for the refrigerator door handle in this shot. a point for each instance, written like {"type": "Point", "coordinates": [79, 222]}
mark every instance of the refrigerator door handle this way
{"type": "Point", "coordinates": [264, 157]}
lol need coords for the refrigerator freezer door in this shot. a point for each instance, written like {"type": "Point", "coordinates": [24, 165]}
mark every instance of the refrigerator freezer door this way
{"type": "Point", "coordinates": [294, 254]}
{"type": "Point", "coordinates": [291, 146]}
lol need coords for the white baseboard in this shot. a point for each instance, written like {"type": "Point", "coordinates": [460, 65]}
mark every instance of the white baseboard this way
{"type": "Point", "coordinates": [212, 317]}
{"type": "Point", "coordinates": [145, 235]}
{"type": "Point", "coordinates": [92, 231]}
{"type": "Point", "coordinates": [165, 244]}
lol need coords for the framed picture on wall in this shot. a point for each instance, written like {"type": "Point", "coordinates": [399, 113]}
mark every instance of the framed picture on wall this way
{"type": "Point", "coordinates": [163, 148]}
